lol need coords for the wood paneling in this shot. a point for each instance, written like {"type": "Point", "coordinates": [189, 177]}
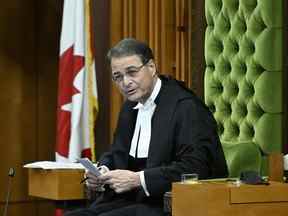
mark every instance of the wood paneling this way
{"type": "Point", "coordinates": [28, 67]}
{"type": "Point", "coordinates": [102, 31]}
{"type": "Point", "coordinates": [196, 31]}
{"type": "Point", "coordinates": [47, 33]}
{"type": "Point", "coordinates": [116, 34]}
{"type": "Point", "coordinates": [17, 93]}
{"type": "Point", "coordinates": [168, 37]}
{"type": "Point", "coordinates": [285, 77]}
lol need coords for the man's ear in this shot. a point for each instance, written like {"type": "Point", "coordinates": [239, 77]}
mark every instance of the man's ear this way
{"type": "Point", "coordinates": [152, 66]}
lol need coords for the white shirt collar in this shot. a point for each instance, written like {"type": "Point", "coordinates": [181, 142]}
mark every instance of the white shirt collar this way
{"type": "Point", "coordinates": [152, 97]}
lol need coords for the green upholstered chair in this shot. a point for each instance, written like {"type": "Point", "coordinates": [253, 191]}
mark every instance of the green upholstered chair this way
{"type": "Point", "coordinates": [243, 79]}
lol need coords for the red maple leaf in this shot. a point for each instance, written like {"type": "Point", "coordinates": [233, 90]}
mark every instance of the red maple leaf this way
{"type": "Point", "coordinates": [69, 67]}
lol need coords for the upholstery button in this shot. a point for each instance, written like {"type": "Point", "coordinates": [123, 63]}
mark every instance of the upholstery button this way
{"type": "Point", "coordinates": [228, 26]}
{"type": "Point", "coordinates": [220, 46]}
{"type": "Point", "coordinates": [244, 27]}
{"type": "Point", "coordinates": [258, 111]}
{"type": "Point", "coordinates": [251, 89]}
{"type": "Point", "coordinates": [228, 109]}
{"type": "Point", "coordinates": [251, 48]}
{"type": "Point", "coordinates": [262, 24]}
{"type": "Point", "coordinates": [259, 69]}
{"type": "Point", "coordinates": [235, 89]}
{"type": "Point", "coordinates": [239, 111]}
{"type": "Point", "coordinates": [243, 67]}
{"type": "Point", "coordinates": [212, 108]}
{"type": "Point", "coordinates": [251, 131]}
{"type": "Point", "coordinates": [220, 128]}
{"type": "Point", "coordinates": [219, 88]}
{"type": "Point", "coordinates": [228, 67]}
{"type": "Point", "coordinates": [247, 46]}
{"type": "Point", "coordinates": [236, 47]}
{"type": "Point", "coordinates": [243, 111]}
{"type": "Point", "coordinates": [236, 131]}
{"type": "Point", "coordinates": [212, 66]}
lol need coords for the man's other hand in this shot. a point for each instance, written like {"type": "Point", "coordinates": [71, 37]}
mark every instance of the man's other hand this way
{"type": "Point", "coordinates": [120, 180]}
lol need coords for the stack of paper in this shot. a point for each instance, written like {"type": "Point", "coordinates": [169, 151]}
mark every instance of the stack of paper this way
{"type": "Point", "coordinates": [53, 165]}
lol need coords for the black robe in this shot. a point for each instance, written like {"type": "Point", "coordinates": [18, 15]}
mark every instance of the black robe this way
{"type": "Point", "coordinates": [183, 140]}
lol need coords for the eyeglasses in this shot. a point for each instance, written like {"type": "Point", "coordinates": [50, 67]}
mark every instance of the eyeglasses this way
{"type": "Point", "coordinates": [131, 72]}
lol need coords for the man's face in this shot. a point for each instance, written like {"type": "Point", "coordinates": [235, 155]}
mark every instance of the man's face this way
{"type": "Point", "coordinates": [134, 79]}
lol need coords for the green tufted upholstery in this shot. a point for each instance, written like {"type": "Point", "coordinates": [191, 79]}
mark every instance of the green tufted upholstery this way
{"type": "Point", "coordinates": [243, 79]}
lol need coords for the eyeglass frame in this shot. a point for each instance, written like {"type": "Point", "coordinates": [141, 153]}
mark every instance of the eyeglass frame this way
{"type": "Point", "coordinates": [129, 73]}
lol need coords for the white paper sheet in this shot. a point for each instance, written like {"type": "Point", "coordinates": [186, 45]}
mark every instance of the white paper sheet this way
{"type": "Point", "coordinates": [53, 165]}
{"type": "Point", "coordinates": [285, 162]}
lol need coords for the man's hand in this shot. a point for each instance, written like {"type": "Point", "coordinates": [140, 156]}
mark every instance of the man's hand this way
{"type": "Point", "coordinates": [93, 182]}
{"type": "Point", "coordinates": [121, 180]}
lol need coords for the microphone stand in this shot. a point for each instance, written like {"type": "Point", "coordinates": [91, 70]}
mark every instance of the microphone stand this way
{"type": "Point", "coordinates": [11, 174]}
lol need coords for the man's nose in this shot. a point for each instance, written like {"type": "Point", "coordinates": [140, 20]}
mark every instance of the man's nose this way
{"type": "Point", "coordinates": [126, 80]}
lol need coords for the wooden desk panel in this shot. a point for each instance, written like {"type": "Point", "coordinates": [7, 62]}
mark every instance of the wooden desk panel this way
{"type": "Point", "coordinates": [276, 192]}
{"type": "Point", "coordinates": [221, 199]}
{"type": "Point", "coordinates": [56, 184]}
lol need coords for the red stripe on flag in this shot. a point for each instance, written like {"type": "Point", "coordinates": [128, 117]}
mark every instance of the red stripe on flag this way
{"type": "Point", "coordinates": [63, 132]}
{"type": "Point", "coordinates": [69, 67]}
{"type": "Point", "coordinates": [86, 153]}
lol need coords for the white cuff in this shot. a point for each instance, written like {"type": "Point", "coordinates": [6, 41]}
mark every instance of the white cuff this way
{"type": "Point", "coordinates": [143, 184]}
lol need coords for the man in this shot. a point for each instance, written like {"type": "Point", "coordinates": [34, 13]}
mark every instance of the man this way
{"type": "Point", "coordinates": [163, 131]}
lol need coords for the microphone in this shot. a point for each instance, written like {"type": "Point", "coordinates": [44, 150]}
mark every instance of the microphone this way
{"type": "Point", "coordinates": [11, 174]}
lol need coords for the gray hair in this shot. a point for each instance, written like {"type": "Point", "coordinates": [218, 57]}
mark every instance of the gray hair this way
{"type": "Point", "coordinates": [129, 47]}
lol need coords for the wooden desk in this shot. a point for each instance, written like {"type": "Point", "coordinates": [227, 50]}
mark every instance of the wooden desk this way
{"type": "Point", "coordinates": [56, 184]}
{"type": "Point", "coordinates": [221, 199]}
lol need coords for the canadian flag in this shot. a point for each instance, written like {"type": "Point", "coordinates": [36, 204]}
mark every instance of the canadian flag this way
{"type": "Point", "coordinates": [77, 89]}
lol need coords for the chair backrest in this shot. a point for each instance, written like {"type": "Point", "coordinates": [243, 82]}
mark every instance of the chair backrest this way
{"type": "Point", "coordinates": [243, 79]}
